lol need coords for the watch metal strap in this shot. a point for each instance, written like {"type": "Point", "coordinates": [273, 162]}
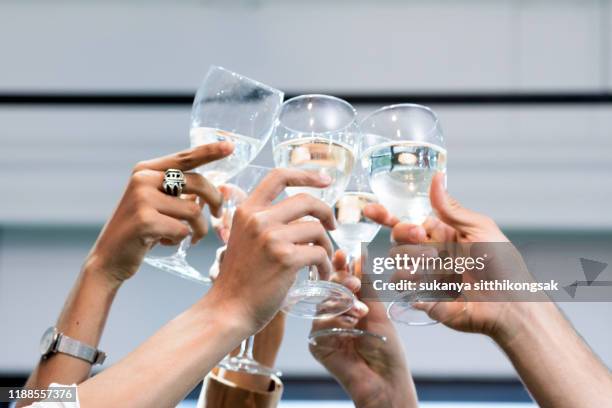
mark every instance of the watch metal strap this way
{"type": "Point", "coordinates": [75, 348]}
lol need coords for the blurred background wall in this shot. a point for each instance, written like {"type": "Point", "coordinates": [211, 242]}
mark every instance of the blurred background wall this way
{"type": "Point", "coordinates": [540, 163]}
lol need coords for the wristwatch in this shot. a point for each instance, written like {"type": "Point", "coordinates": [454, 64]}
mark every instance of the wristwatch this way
{"type": "Point", "coordinates": [53, 342]}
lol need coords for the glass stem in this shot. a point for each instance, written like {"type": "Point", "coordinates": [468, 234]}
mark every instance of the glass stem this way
{"type": "Point", "coordinates": [313, 274]}
{"type": "Point", "coordinates": [350, 259]}
{"type": "Point", "coordinates": [183, 247]}
{"type": "Point", "coordinates": [246, 348]}
{"type": "Point", "coordinates": [352, 255]}
{"type": "Point", "coordinates": [185, 244]}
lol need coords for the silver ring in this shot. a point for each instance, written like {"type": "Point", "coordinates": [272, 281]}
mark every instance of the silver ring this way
{"type": "Point", "coordinates": [174, 182]}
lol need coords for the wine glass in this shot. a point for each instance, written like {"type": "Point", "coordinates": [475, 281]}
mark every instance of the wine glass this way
{"type": "Point", "coordinates": [227, 107]}
{"type": "Point", "coordinates": [235, 192]}
{"type": "Point", "coordinates": [403, 148]}
{"type": "Point", "coordinates": [353, 227]}
{"type": "Point", "coordinates": [317, 133]}
{"type": "Point", "coordinates": [353, 230]}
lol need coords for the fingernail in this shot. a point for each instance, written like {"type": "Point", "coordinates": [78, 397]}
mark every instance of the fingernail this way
{"type": "Point", "coordinates": [361, 307]}
{"type": "Point", "coordinates": [226, 148]}
{"type": "Point", "coordinates": [354, 283]}
{"type": "Point", "coordinates": [324, 177]}
{"type": "Point", "coordinates": [350, 320]}
{"type": "Point", "coordinates": [444, 181]}
{"type": "Point", "coordinates": [414, 234]}
{"type": "Point", "coordinates": [420, 305]}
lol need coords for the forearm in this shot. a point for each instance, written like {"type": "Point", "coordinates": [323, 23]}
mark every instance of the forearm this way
{"type": "Point", "coordinates": [82, 318]}
{"type": "Point", "coordinates": [555, 364]}
{"type": "Point", "coordinates": [269, 339]}
{"type": "Point", "coordinates": [406, 398]}
{"type": "Point", "coordinates": [167, 366]}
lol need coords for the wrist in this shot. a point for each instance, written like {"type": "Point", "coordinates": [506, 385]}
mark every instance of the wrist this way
{"type": "Point", "coordinates": [87, 306]}
{"type": "Point", "coordinates": [95, 272]}
{"type": "Point", "coordinates": [233, 318]}
{"type": "Point", "coordinates": [395, 396]}
{"type": "Point", "coordinates": [396, 390]}
{"type": "Point", "coordinates": [375, 401]}
{"type": "Point", "coordinates": [268, 341]}
{"type": "Point", "coordinates": [522, 319]}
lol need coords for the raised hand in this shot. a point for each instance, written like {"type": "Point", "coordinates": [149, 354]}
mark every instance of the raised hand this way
{"type": "Point", "coordinates": [455, 224]}
{"type": "Point", "coordinates": [373, 372]}
{"type": "Point", "coordinates": [552, 360]}
{"type": "Point", "coordinates": [269, 243]}
{"type": "Point", "coordinates": [146, 215]}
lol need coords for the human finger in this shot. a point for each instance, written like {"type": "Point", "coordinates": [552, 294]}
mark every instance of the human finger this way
{"type": "Point", "coordinates": [188, 159]}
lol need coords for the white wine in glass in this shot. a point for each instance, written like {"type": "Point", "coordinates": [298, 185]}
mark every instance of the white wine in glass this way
{"type": "Point", "coordinates": [402, 149]}
{"type": "Point", "coordinates": [353, 227]}
{"type": "Point", "coordinates": [227, 107]}
{"type": "Point", "coordinates": [235, 192]}
{"type": "Point", "coordinates": [401, 174]}
{"type": "Point", "coordinates": [334, 159]}
{"type": "Point", "coordinates": [317, 133]}
{"type": "Point", "coordinates": [245, 150]}
{"type": "Point", "coordinates": [353, 230]}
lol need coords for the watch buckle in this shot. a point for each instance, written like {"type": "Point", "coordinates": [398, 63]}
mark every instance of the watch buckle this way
{"type": "Point", "coordinates": [100, 358]}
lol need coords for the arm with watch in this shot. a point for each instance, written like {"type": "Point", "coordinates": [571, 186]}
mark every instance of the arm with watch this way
{"type": "Point", "coordinates": [144, 217]}
{"type": "Point", "coordinates": [69, 349]}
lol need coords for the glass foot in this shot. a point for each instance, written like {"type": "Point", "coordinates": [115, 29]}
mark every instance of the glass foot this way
{"type": "Point", "coordinates": [402, 309]}
{"type": "Point", "coordinates": [178, 266]}
{"type": "Point", "coordinates": [405, 313]}
{"type": "Point", "coordinates": [246, 365]}
{"type": "Point", "coordinates": [346, 333]}
{"type": "Point", "coordinates": [318, 300]}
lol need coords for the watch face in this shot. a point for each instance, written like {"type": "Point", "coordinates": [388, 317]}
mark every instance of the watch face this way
{"type": "Point", "coordinates": [47, 340]}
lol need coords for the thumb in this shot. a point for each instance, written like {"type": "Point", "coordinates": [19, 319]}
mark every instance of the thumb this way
{"type": "Point", "coordinates": [447, 208]}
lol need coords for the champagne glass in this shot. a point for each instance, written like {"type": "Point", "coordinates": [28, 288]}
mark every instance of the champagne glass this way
{"type": "Point", "coordinates": [403, 148]}
{"type": "Point", "coordinates": [235, 192]}
{"type": "Point", "coordinates": [353, 230]}
{"type": "Point", "coordinates": [317, 133]}
{"type": "Point", "coordinates": [227, 107]}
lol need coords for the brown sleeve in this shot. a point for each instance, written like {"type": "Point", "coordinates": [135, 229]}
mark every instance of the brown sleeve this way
{"type": "Point", "coordinates": [219, 392]}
